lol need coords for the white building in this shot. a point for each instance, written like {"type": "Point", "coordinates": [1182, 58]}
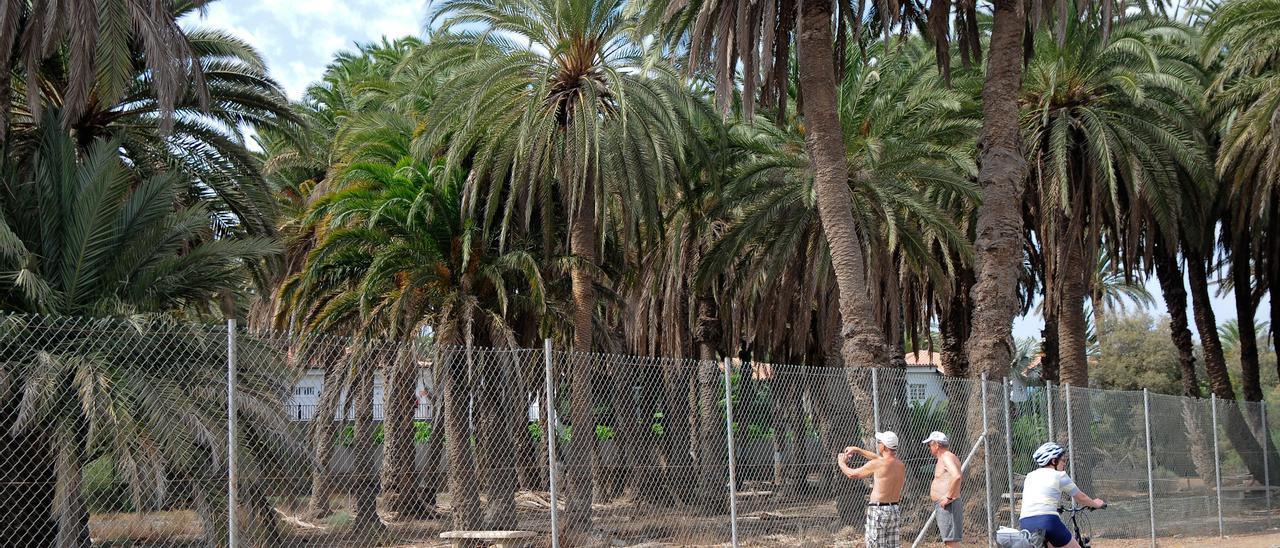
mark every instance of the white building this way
{"type": "Point", "coordinates": [924, 379]}
{"type": "Point", "coordinates": [306, 397]}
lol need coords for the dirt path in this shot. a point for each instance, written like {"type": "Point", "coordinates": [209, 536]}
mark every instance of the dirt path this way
{"type": "Point", "coordinates": [1261, 540]}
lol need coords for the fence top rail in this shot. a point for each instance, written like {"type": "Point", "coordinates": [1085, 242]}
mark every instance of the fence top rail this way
{"type": "Point", "coordinates": [23, 326]}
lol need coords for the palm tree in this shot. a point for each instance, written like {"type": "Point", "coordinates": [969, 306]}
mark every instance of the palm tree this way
{"type": "Point", "coordinates": [728, 32]}
{"type": "Point", "coordinates": [1245, 107]}
{"type": "Point", "coordinates": [1109, 122]}
{"type": "Point", "coordinates": [202, 140]}
{"type": "Point", "coordinates": [98, 45]}
{"type": "Point", "coordinates": [907, 141]}
{"type": "Point", "coordinates": [1231, 334]}
{"type": "Point", "coordinates": [1111, 125]}
{"type": "Point", "coordinates": [297, 164]}
{"type": "Point", "coordinates": [83, 236]}
{"type": "Point", "coordinates": [565, 118]}
{"type": "Point", "coordinates": [1113, 288]}
{"type": "Point", "coordinates": [998, 228]}
{"type": "Point", "coordinates": [1172, 288]}
{"type": "Point", "coordinates": [398, 256]}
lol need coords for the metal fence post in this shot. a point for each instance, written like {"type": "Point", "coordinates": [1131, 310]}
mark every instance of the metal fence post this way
{"type": "Point", "coordinates": [875, 399]}
{"type": "Point", "coordinates": [1151, 485]}
{"type": "Point", "coordinates": [1048, 405]}
{"type": "Point", "coordinates": [1071, 438]}
{"type": "Point", "coordinates": [550, 405]}
{"type": "Point", "coordinates": [986, 459]}
{"type": "Point", "coordinates": [1008, 446]}
{"type": "Point", "coordinates": [1217, 461]}
{"type": "Point", "coordinates": [733, 465]}
{"type": "Point", "coordinates": [233, 474]}
{"type": "Point", "coordinates": [1266, 471]}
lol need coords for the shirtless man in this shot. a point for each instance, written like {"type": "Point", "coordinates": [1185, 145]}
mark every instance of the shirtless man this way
{"type": "Point", "coordinates": [945, 489]}
{"type": "Point", "coordinates": [884, 518]}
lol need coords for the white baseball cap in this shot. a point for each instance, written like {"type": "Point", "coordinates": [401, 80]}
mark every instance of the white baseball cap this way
{"type": "Point", "coordinates": [889, 439]}
{"type": "Point", "coordinates": [936, 436]}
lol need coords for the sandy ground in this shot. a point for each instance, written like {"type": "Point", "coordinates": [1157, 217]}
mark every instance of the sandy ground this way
{"type": "Point", "coordinates": [1261, 540]}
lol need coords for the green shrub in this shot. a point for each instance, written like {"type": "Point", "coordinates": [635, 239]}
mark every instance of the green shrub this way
{"type": "Point", "coordinates": [422, 431]}
{"type": "Point", "coordinates": [103, 489]}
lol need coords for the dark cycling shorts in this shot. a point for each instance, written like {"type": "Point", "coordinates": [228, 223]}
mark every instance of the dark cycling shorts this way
{"type": "Point", "coordinates": [1055, 531]}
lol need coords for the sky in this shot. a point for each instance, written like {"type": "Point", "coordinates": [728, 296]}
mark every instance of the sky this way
{"type": "Point", "coordinates": [1224, 310]}
{"type": "Point", "coordinates": [299, 38]}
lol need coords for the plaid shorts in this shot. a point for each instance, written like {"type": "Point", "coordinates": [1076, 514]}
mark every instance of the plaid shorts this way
{"type": "Point", "coordinates": [884, 527]}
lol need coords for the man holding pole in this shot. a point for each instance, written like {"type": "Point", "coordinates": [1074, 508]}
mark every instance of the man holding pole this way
{"type": "Point", "coordinates": [945, 489]}
{"type": "Point", "coordinates": [884, 518]}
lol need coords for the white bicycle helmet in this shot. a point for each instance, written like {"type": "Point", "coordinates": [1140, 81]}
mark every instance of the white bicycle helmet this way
{"type": "Point", "coordinates": [1046, 453]}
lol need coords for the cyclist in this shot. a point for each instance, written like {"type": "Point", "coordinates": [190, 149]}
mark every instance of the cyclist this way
{"type": "Point", "coordinates": [1042, 492]}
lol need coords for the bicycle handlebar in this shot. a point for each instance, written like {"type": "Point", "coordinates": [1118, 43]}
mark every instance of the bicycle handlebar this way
{"type": "Point", "coordinates": [1077, 509]}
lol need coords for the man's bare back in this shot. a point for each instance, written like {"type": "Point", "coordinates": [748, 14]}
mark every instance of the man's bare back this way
{"type": "Point", "coordinates": [945, 474]}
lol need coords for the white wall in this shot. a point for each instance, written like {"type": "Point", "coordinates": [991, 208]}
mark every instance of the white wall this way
{"type": "Point", "coordinates": [306, 397]}
{"type": "Point", "coordinates": [929, 379]}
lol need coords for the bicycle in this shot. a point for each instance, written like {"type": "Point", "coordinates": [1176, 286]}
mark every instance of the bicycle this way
{"type": "Point", "coordinates": [1075, 510]}
{"type": "Point", "coordinates": [1021, 538]}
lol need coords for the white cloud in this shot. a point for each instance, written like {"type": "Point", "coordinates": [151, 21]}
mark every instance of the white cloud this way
{"type": "Point", "coordinates": [298, 38]}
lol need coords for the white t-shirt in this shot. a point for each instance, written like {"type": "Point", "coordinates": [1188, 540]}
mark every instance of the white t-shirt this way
{"type": "Point", "coordinates": [1043, 490]}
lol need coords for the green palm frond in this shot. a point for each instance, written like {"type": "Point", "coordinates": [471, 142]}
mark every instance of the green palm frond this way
{"type": "Point", "coordinates": [908, 138]}
{"type": "Point", "coordinates": [1113, 131]}
{"type": "Point", "coordinates": [109, 242]}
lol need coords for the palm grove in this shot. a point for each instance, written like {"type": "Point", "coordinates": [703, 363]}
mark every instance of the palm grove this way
{"type": "Point", "coordinates": [822, 183]}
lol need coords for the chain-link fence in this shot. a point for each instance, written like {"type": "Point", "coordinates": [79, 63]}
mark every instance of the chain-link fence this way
{"type": "Point", "coordinates": [116, 434]}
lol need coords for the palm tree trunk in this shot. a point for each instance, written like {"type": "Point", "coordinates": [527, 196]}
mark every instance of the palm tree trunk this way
{"type": "Point", "coordinates": [495, 451]}
{"type": "Point", "coordinates": [362, 447]}
{"type": "Point", "coordinates": [1096, 300]}
{"type": "Point", "coordinates": [955, 329]}
{"type": "Point", "coordinates": [712, 451]}
{"type": "Point", "coordinates": [862, 342]}
{"type": "Point", "coordinates": [1050, 362]}
{"type": "Point", "coordinates": [323, 428]}
{"type": "Point", "coordinates": [1238, 431]}
{"type": "Point", "coordinates": [436, 476]}
{"type": "Point", "coordinates": [861, 338]}
{"type": "Point", "coordinates": [1073, 351]}
{"type": "Point", "coordinates": [403, 495]}
{"type": "Point", "coordinates": [27, 477]}
{"type": "Point", "coordinates": [581, 460]}
{"type": "Point", "coordinates": [1002, 171]}
{"type": "Point", "coordinates": [1272, 239]}
{"type": "Point", "coordinates": [837, 418]}
{"type": "Point", "coordinates": [262, 523]}
{"type": "Point", "coordinates": [464, 491]}
{"type": "Point", "coordinates": [1072, 325]}
{"type": "Point", "coordinates": [677, 441]}
{"type": "Point", "coordinates": [711, 443]}
{"type": "Point", "coordinates": [1175, 299]}
{"type": "Point", "coordinates": [1250, 383]}
{"type": "Point", "coordinates": [1214, 361]}
{"type": "Point", "coordinates": [68, 498]}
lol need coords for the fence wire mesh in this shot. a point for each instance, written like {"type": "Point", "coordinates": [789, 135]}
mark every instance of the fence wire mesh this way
{"type": "Point", "coordinates": [116, 433]}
